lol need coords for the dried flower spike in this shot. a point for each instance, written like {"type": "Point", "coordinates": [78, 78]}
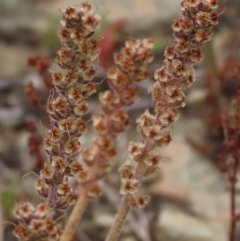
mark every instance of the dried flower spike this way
{"type": "Point", "coordinates": [191, 32]}
{"type": "Point", "coordinates": [72, 84]}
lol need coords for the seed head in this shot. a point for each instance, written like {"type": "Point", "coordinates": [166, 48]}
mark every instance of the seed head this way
{"type": "Point", "coordinates": [129, 186]}
{"type": "Point", "coordinates": [94, 190]}
{"type": "Point", "coordinates": [64, 189]}
{"type": "Point", "coordinates": [72, 146]}
{"type": "Point", "coordinates": [138, 201]}
{"type": "Point", "coordinates": [81, 108]}
{"type": "Point", "coordinates": [126, 170]}
{"type": "Point", "coordinates": [75, 168]}
{"type": "Point", "coordinates": [47, 172]}
{"type": "Point", "coordinates": [59, 163]}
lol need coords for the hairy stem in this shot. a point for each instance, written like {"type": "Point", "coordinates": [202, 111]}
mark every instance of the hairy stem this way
{"type": "Point", "coordinates": [75, 216]}
{"type": "Point", "coordinates": [119, 220]}
{"type": "Point", "coordinates": [124, 208]}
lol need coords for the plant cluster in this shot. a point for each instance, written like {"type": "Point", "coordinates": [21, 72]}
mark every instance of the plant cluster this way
{"type": "Point", "coordinates": [72, 85]}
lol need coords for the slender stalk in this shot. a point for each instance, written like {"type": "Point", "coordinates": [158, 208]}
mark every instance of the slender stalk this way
{"type": "Point", "coordinates": [119, 220]}
{"type": "Point", "coordinates": [233, 177]}
{"type": "Point", "coordinates": [123, 209]}
{"type": "Point", "coordinates": [75, 216]}
{"type": "Point", "coordinates": [1, 214]}
{"type": "Point", "coordinates": [233, 202]}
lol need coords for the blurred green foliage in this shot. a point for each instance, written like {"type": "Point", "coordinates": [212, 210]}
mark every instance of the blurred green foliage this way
{"type": "Point", "coordinates": [159, 44]}
{"type": "Point", "coordinates": [8, 200]}
{"type": "Point", "coordinates": [50, 36]}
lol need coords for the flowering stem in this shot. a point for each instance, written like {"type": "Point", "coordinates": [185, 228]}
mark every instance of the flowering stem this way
{"type": "Point", "coordinates": [124, 208]}
{"type": "Point", "coordinates": [119, 220]}
{"type": "Point", "coordinates": [140, 170]}
{"type": "Point", "coordinates": [233, 201]}
{"type": "Point", "coordinates": [75, 216]}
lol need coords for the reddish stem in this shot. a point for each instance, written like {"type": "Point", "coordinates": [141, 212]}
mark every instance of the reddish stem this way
{"type": "Point", "coordinates": [233, 201]}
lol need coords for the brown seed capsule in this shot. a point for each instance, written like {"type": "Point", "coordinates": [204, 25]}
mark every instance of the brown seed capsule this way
{"type": "Point", "coordinates": [90, 153]}
{"type": "Point", "coordinates": [75, 168]}
{"type": "Point", "coordinates": [67, 124]}
{"type": "Point", "coordinates": [203, 35]}
{"type": "Point", "coordinates": [75, 93]}
{"type": "Point", "coordinates": [70, 199]}
{"type": "Point", "coordinates": [64, 189]}
{"type": "Point", "coordinates": [40, 184]}
{"type": "Point", "coordinates": [54, 134]}
{"type": "Point", "coordinates": [161, 75]}
{"type": "Point", "coordinates": [169, 52]}
{"type": "Point", "coordinates": [57, 78]}
{"type": "Point", "coordinates": [42, 210]}
{"type": "Point", "coordinates": [109, 101]}
{"type": "Point", "coordinates": [119, 58]}
{"type": "Point", "coordinates": [120, 120]}
{"type": "Point", "coordinates": [50, 108]}
{"type": "Point", "coordinates": [213, 4]}
{"type": "Point", "coordinates": [153, 158]}
{"type": "Point", "coordinates": [48, 145]}
{"type": "Point", "coordinates": [157, 91]}
{"type": "Point", "coordinates": [70, 78]}
{"type": "Point", "coordinates": [69, 12]}
{"type": "Point", "coordinates": [85, 7]}
{"type": "Point", "coordinates": [47, 172]}
{"type": "Point", "coordinates": [60, 104]}
{"type": "Point", "coordinates": [21, 232]}
{"type": "Point", "coordinates": [138, 201]}
{"type": "Point", "coordinates": [105, 142]}
{"type": "Point", "coordinates": [148, 43]}
{"type": "Point", "coordinates": [94, 190]}
{"type": "Point", "coordinates": [72, 146]}
{"type": "Point", "coordinates": [126, 170]}
{"type": "Point", "coordinates": [196, 55]}
{"type": "Point", "coordinates": [186, 24]}
{"type": "Point", "coordinates": [129, 95]}
{"type": "Point", "coordinates": [133, 43]}
{"type": "Point", "coordinates": [37, 225]}
{"type": "Point", "coordinates": [64, 34]}
{"type": "Point", "coordinates": [81, 108]}
{"type": "Point", "coordinates": [176, 25]}
{"type": "Point", "coordinates": [99, 124]}
{"type": "Point", "coordinates": [169, 116]}
{"type": "Point", "coordinates": [182, 46]}
{"type": "Point", "coordinates": [91, 21]}
{"type": "Point", "coordinates": [214, 18]}
{"type": "Point", "coordinates": [80, 126]}
{"type": "Point", "coordinates": [24, 210]}
{"type": "Point", "coordinates": [203, 18]}
{"type": "Point", "coordinates": [129, 186]}
{"type": "Point", "coordinates": [83, 176]}
{"type": "Point", "coordinates": [89, 73]}
{"type": "Point", "coordinates": [192, 3]}
{"type": "Point", "coordinates": [164, 139]}
{"type": "Point", "coordinates": [89, 88]}
{"type": "Point", "coordinates": [59, 163]}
